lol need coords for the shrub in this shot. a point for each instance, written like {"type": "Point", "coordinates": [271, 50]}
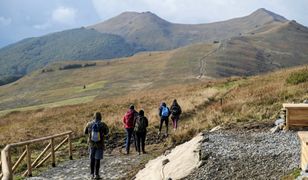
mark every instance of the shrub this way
{"type": "Point", "coordinates": [298, 77]}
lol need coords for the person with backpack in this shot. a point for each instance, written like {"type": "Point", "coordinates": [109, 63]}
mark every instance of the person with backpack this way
{"type": "Point", "coordinates": [164, 114]}
{"type": "Point", "coordinates": [96, 129]}
{"type": "Point", "coordinates": [141, 125]}
{"type": "Point", "coordinates": [175, 113]}
{"type": "Point", "coordinates": [129, 122]}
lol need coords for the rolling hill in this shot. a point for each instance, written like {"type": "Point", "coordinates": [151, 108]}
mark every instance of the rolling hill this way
{"type": "Point", "coordinates": [149, 31]}
{"type": "Point", "coordinates": [77, 44]}
{"type": "Point", "coordinates": [264, 50]}
{"type": "Point", "coordinates": [129, 33]}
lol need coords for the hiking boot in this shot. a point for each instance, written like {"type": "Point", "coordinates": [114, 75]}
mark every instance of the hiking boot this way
{"type": "Point", "coordinates": [97, 177]}
{"type": "Point", "coordinates": [159, 133]}
{"type": "Point", "coordinates": [91, 176]}
{"type": "Point", "coordinates": [144, 152]}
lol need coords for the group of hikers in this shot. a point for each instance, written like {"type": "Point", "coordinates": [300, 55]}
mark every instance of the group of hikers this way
{"type": "Point", "coordinates": [135, 124]}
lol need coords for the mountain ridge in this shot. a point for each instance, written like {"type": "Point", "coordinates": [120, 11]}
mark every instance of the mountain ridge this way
{"type": "Point", "coordinates": [147, 29]}
{"type": "Point", "coordinates": [132, 32]}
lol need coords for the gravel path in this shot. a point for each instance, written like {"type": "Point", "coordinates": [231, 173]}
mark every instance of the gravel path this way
{"type": "Point", "coordinates": [225, 154]}
{"type": "Point", "coordinates": [112, 167]}
{"type": "Point", "coordinates": [242, 154]}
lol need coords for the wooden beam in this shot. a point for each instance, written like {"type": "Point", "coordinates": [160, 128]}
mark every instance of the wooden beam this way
{"type": "Point", "coordinates": [29, 160]}
{"type": "Point", "coordinates": [52, 150]}
{"type": "Point", "coordinates": [41, 155]}
{"type": "Point", "coordinates": [40, 139]}
{"type": "Point", "coordinates": [6, 163]}
{"type": "Point", "coordinates": [23, 155]}
{"type": "Point", "coordinates": [48, 156]}
{"type": "Point", "coordinates": [70, 149]}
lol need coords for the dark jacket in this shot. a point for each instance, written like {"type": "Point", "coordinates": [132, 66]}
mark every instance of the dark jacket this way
{"type": "Point", "coordinates": [172, 109]}
{"type": "Point", "coordinates": [104, 130]}
{"type": "Point", "coordinates": [146, 123]}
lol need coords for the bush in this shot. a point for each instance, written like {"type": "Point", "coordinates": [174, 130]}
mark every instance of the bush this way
{"type": "Point", "coordinates": [298, 77]}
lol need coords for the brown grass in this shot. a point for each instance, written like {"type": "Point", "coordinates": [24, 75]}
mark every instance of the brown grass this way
{"type": "Point", "coordinates": [251, 99]}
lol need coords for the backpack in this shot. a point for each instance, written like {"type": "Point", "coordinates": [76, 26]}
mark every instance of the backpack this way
{"type": "Point", "coordinates": [140, 125]}
{"type": "Point", "coordinates": [175, 110]}
{"type": "Point", "coordinates": [95, 132]}
{"type": "Point", "coordinates": [165, 111]}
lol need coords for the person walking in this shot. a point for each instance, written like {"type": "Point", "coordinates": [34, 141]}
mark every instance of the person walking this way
{"type": "Point", "coordinates": [141, 125]}
{"type": "Point", "coordinates": [129, 122]}
{"type": "Point", "coordinates": [96, 130]}
{"type": "Point", "coordinates": [164, 114]}
{"type": "Point", "coordinates": [176, 111]}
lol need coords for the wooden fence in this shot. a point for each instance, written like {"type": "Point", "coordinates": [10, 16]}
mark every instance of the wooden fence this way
{"type": "Point", "coordinates": [8, 168]}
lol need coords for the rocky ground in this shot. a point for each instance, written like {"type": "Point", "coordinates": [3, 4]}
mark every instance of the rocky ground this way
{"type": "Point", "coordinates": [248, 154]}
{"type": "Point", "coordinates": [112, 167]}
{"type": "Point", "coordinates": [230, 153]}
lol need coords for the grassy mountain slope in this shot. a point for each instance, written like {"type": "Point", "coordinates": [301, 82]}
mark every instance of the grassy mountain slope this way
{"type": "Point", "coordinates": [142, 71]}
{"type": "Point", "coordinates": [252, 99]}
{"type": "Point", "coordinates": [264, 50]}
{"type": "Point", "coordinates": [267, 50]}
{"type": "Point", "coordinates": [77, 44]}
{"type": "Point", "coordinates": [153, 33]}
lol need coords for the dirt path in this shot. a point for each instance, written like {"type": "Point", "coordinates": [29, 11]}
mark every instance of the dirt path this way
{"type": "Point", "coordinates": [203, 59]}
{"type": "Point", "coordinates": [112, 167]}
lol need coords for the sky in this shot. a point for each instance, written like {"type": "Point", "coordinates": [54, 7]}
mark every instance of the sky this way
{"type": "Point", "coordinates": [21, 19]}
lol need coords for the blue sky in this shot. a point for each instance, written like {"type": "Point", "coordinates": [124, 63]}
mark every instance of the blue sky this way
{"type": "Point", "coordinates": [20, 19]}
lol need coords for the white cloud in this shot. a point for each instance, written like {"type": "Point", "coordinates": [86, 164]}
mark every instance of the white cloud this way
{"type": "Point", "coordinates": [5, 21]}
{"type": "Point", "coordinates": [64, 15]}
{"type": "Point", "coordinates": [42, 26]}
{"type": "Point", "coordinates": [197, 11]}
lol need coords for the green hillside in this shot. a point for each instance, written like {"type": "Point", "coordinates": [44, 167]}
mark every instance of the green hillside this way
{"type": "Point", "coordinates": [77, 44]}
{"type": "Point", "coordinates": [268, 50]}
{"type": "Point", "coordinates": [111, 78]}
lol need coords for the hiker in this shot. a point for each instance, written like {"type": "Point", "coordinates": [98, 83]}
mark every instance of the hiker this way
{"type": "Point", "coordinates": [96, 129]}
{"type": "Point", "coordinates": [164, 114]}
{"type": "Point", "coordinates": [141, 125]}
{"type": "Point", "coordinates": [129, 122]}
{"type": "Point", "coordinates": [175, 113]}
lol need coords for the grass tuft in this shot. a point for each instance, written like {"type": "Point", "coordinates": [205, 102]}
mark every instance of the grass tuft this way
{"type": "Point", "coordinates": [298, 77]}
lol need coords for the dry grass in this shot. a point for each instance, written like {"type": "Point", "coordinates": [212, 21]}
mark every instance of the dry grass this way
{"type": "Point", "coordinates": [244, 100]}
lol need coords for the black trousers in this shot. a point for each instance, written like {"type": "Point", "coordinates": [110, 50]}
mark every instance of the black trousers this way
{"type": "Point", "coordinates": [141, 140]}
{"type": "Point", "coordinates": [95, 165]}
{"type": "Point", "coordinates": [162, 120]}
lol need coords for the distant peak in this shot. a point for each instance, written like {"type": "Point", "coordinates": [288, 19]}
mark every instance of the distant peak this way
{"type": "Point", "coordinates": [133, 13]}
{"type": "Point", "coordinates": [265, 12]}
{"type": "Point", "coordinates": [141, 16]}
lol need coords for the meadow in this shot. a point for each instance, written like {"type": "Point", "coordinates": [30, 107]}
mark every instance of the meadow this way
{"type": "Point", "coordinates": [244, 100]}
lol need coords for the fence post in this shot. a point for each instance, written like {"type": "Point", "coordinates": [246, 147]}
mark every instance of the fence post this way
{"type": "Point", "coordinates": [29, 160]}
{"type": "Point", "coordinates": [6, 163]}
{"type": "Point", "coordinates": [53, 158]}
{"type": "Point", "coordinates": [70, 146]}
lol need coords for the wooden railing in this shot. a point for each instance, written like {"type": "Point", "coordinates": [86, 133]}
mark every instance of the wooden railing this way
{"type": "Point", "coordinates": [8, 168]}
